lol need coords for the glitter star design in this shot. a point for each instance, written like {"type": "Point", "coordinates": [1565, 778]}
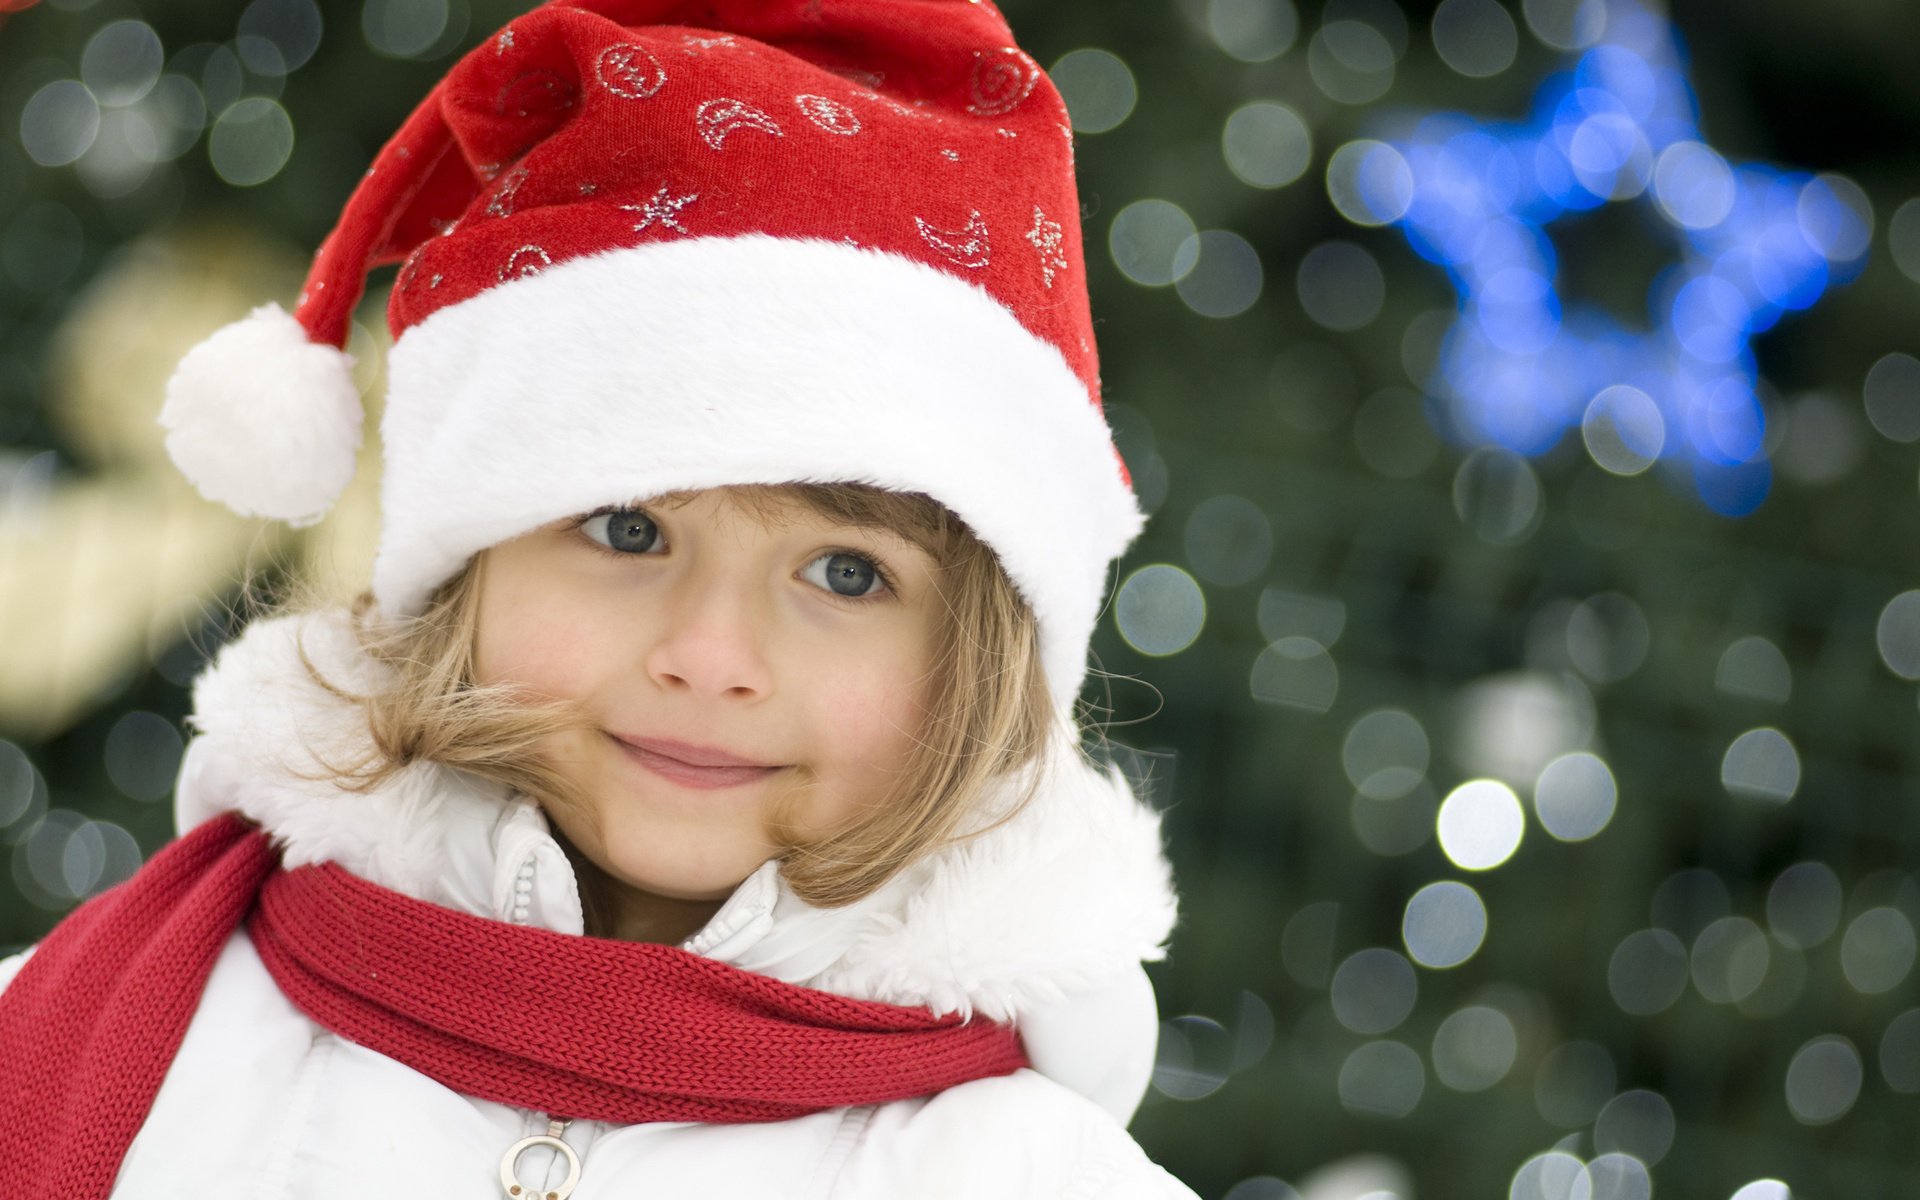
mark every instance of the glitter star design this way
{"type": "Point", "coordinates": [1047, 238]}
{"type": "Point", "coordinates": [1518, 368]}
{"type": "Point", "coordinates": [662, 210]}
{"type": "Point", "coordinates": [504, 42]}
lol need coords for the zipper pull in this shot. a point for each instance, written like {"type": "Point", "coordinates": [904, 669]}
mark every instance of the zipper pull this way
{"type": "Point", "coordinates": [552, 1139]}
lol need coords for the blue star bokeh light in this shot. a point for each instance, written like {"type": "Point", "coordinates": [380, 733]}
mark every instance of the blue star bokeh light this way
{"type": "Point", "coordinates": [1521, 366]}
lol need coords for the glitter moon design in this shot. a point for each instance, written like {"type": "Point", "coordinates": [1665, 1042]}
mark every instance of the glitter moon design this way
{"type": "Point", "coordinates": [964, 247]}
{"type": "Point", "coordinates": [830, 115]}
{"type": "Point", "coordinates": [1002, 80]}
{"type": "Point", "coordinates": [718, 118]}
{"type": "Point", "coordinates": [630, 72]}
{"type": "Point", "coordinates": [527, 260]}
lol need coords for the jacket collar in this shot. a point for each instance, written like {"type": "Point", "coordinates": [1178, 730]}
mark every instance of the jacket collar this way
{"type": "Point", "coordinates": [1061, 900]}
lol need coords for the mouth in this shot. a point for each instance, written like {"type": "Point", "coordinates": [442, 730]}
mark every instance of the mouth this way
{"type": "Point", "coordinates": [704, 767]}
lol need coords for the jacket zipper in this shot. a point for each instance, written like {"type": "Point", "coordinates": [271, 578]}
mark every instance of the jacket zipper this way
{"type": "Point", "coordinates": [553, 1139]}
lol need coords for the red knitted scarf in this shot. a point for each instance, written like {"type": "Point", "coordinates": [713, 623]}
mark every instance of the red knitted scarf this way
{"type": "Point", "coordinates": [570, 1026]}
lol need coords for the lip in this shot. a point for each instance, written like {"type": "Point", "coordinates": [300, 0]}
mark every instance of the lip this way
{"type": "Point", "coordinates": [695, 766]}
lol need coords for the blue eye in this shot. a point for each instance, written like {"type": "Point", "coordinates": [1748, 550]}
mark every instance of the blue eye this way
{"type": "Point", "coordinates": [628, 531]}
{"type": "Point", "coordinates": [844, 575]}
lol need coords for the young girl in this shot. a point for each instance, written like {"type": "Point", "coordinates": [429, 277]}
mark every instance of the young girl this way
{"type": "Point", "coordinates": [693, 807]}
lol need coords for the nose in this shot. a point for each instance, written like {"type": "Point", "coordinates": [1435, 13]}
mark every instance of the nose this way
{"type": "Point", "coordinates": [710, 642]}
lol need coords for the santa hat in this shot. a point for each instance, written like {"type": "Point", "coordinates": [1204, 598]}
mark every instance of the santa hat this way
{"type": "Point", "coordinates": [652, 245]}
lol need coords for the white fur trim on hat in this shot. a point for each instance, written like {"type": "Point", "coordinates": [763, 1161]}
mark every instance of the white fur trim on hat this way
{"type": "Point", "coordinates": [263, 420]}
{"type": "Point", "coordinates": [716, 361]}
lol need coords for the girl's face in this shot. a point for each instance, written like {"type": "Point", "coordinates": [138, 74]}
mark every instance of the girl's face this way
{"type": "Point", "coordinates": [737, 665]}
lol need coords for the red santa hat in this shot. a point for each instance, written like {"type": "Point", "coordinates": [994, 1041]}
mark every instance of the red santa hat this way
{"type": "Point", "coordinates": [651, 245]}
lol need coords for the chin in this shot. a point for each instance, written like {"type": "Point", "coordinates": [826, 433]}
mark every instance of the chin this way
{"type": "Point", "coordinates": [691, 876]}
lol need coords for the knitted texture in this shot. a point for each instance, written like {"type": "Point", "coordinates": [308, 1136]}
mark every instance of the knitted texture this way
{"type": "Point", "coordinates": [92, 1021]}
{"type": "Point", "coordinates": [569, 1026]}
{"type": "Point", "coordinates": [584, 1027]}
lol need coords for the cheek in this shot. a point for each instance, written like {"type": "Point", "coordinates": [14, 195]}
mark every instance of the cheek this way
{"type": "Point", "coordinates": [527, 637]}
{"type": "Point", "coordinates": [868, 718]}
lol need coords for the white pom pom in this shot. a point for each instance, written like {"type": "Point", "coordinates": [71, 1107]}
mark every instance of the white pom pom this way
{"type": "Point", "coordinates": [263, 420]}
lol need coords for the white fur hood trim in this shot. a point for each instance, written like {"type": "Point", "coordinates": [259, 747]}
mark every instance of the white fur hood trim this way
{"type": "Point", "coordinates": [1037, 921]}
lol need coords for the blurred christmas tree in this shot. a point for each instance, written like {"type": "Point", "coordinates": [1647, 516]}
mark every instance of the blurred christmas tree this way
{"type": "Point", "coordinates": [1527, 400]}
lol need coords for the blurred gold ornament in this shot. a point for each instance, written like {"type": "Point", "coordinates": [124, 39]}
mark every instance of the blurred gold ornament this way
{"type": "Point", "coordinates": [101, 573]}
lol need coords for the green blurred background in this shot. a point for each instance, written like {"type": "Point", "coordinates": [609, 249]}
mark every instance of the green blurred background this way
{"type": "Point", "coordinates": [1542, 833]}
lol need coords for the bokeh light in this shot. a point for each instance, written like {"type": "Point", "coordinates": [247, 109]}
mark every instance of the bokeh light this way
{"type": "Point", "coordinates": [1648, 972]}
{"type": "Point", "coordinates": [1498, 496]}
{"type": "Point", "coordinates": [1803, 904]}
{"type": "Point", "coordinates": [1898, 635]}
{"type": "Point", "coordinates": [1444, 924]}
{"type": "Point", "coordinates": [59, 123]}
{"type": "Point", "coordinates": [1761, 764]}
{"type": "Point", "coordinates": [1689, 900]}
{"type": "Point", "coordinates": [1754, 668]}
{"type": "Point", "coordinates": [1763, 1189]}
{"type": "Point", "coordinates": [1285, 613]}
{"type": "Point", "coordinates": [1574, 797]}
{"type": "Point", "coordinates": [1480, 824]}
{"type": "Point", "coordinates": [1638, 1122]}
{"type": "Point", "coordinates": [1477, 38]}
{"type": "Point", "coordinates": [1903, 238]}
{"type": "Point", "coordinates": [411, 28]}
{"type": "Point", "coordinates": [1474, 1048]}
{"type": "Point", "coordinates": [1160, 610]}
{"type": "Point", "coordinates": [1554, 1175]}
{"type": "Point", "coordinates": [1340, 286]}
{"type": "Point", "coordinates": [1296, 672]}
{"type": "Point", "coordinates": [1877, 951]}
{"type": "Point", "coordinates": [1395, 825]}
{"type": "Point", "coordinates": [1098, 88]}
{"type": "Point", "coordinates": [1194, 1058]}
{"type": "Point", "coordinates": [251, 141]}
{"type": "Point", "coordinates": [293, 28]}
{"type": "Point", "coordinates": [1730, 959]}
{"type": "Point", "coordinates": [1306, 944]}
{"type": "Point", "coordinates": [122, 62]}
{"type": "Point", "coordinates": [1607, 637]}
{"type": "Point", "coordinates": [1892, 396]}
{"type": "Point", "coordinates": [1566, 24]}
{"type": "Point", "coordinates": [1228, 540]}
{"type": "Point", "coordinates": [1266, 144]}
{"type": "Point", "coordinates": [1385, 753]}
{"type": "Point", "coordinates": [1253, 31]}
{"type": "Point", "coordinates": [1217, 273]}
{"type": "Point", "coordinates": [1373, 991]}
{"type": "Point", "coordinates": [1382, 1079]}
{"type": "Point", "coordinates": [1370, 183]}
{"type": "Point", "coordinates": [1900, 1052]}
{"type": "Point", "coordinates": [1145, 239]}
{"type": "Point", "coordinates": [1351, 62]}
{"type": "Point", "coordinates": [142, 755]}
{"type": "Point", "coordinates": [1823, 1080]}
{"type": "Point", "coordinates": [1573, 1083]}
{"type": "Point", "coordinates": [1623, 430]}
{"type": "Point", "coordinates": [1619, 1177]}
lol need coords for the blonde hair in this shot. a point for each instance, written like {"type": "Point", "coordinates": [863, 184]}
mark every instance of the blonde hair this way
{"type": "Point", "coordinates": [988, 713]}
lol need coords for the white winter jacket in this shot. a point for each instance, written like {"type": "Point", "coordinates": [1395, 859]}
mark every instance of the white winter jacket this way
{"type": "Point", "coordinates": [1042, 921]}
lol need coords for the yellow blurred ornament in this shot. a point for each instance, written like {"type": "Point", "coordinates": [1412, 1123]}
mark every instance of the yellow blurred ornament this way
{"type": "Point", "coordinates": [100, 573]}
